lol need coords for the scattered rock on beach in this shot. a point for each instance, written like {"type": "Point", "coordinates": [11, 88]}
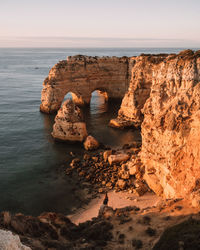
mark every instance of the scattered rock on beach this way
{"type": "Point", "coordinates": [118, 158]}
{"type": "Point", "coordinates": [106, 154]}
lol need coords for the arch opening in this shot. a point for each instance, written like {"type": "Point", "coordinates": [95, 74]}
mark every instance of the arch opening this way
{"type": "Point", "coordinates": [77, 99]}
{"type": "Point", "coordinates": [98, 102]}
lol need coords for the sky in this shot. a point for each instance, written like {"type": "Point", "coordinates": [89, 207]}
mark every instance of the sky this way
{"type": "Point", "coordinates": [100, 23]}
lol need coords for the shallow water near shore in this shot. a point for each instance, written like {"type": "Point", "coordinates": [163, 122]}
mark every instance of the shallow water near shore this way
{"type": "Point", "coordinates": [31, 179]}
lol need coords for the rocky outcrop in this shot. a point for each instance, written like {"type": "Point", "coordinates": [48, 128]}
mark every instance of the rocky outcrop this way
{"type": "Point", "coordinates": [91, 143]}
{"type": "Point", "coordinates": [142, 76]}
{"type": "Point", "coordinates": [170, 130]}
{"type": "Point", "coordinates": [69, 123]}
{"type": "Point", "coordinates": [81, 75]}
{"type": "Point", "coordinates": [52, 231]}
{"type": "Point", "coordinates": [9, 241]}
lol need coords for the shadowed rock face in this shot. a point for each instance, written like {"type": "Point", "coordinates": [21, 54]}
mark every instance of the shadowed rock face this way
{"type": "Point", "coordinates": [81, 75]}
{"type": "Point", "coordinates": [54, 231]}
{"type": "Point", "coordinates": [171, 128]}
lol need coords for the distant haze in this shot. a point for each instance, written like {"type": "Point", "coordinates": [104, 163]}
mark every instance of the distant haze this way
{"type": "Point", "coordinates": [105, 23]}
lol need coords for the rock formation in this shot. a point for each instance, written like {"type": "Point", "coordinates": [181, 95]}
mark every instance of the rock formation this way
{"type": "Point", "coordinates": [142, 68]}
{"type": "Point", "coordinates": [69, 123]}
{"type": "Point", "coordinates": [165, 91]}
{"type": "Point", "coordinates": [170, 130]}
{"type": "Point", "coordinates": [91, 143]}
{"type": "Point", "coordinates": [163, 96]}
{"type": "Point", "coordinates": [52, 231]}
{"type": "Point", "coordinates": [81, 75]}
{"type": "Point", "coordinates": [9, 241]}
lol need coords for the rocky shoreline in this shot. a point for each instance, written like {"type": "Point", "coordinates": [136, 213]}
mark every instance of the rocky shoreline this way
{"type": "Point", "coordinates": [119, 169]}
{"type": "Point", "coordinates": [163, 98]}
{"type": "Point", "coordinates": [172, 223]}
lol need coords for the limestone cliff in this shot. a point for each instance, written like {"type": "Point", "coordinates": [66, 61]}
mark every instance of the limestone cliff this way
{"type": "Point", "coordinates": [170, 130]}
{"type": "Point", "coordinates": [81, 75]}
{"type": "Point", "coordinates": [142, 68]}
{"type": "Point", "coordinates": [164, 96]}
{"type": "Point", "coordinates": [69, 123]}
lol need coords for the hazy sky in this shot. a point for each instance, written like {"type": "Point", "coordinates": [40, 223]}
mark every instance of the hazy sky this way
{"type": "Point", "coordinates": [80, 23]}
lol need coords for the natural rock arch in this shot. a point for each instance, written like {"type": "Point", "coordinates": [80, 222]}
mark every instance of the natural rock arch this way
{"type": "Point", "coordinates": [82, 75]}
{"type": "Point", "coordinates": [102, 92]}
{"type": "Point", "coordinates": [76, 97]}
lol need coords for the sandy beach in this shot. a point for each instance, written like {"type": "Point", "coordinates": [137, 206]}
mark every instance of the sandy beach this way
{"type": "Point", "coordinates": [116, 200]}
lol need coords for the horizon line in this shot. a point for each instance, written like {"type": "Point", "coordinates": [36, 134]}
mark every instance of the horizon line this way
{"type": "Point", "coordinates": [101, 47]}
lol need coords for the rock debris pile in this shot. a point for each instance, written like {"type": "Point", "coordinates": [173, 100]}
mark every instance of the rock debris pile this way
{"type": "Point", "coordinates": [110, 169]}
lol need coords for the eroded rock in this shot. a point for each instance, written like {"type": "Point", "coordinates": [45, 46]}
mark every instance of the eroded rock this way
{"type": "Point", "coordinates": [9, 241]}
{"type": "Point", "coordinates": [91, 143]}
{"type": "Point", "coordinates": [170, 130]}
{"type": "Point", "coordinates": [69, 123]}
{"type": "Point", "coordinates": [81, 75]}
{"type": "Point", "coordinates": [118, 158]}
{"type": "Point", "coordinates": [142, 68]}
{"type": "Point", "coordinates": [106, 154]}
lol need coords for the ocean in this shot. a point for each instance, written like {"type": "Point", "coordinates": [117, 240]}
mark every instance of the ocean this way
{"type": "Point", "coordinates": [31, 179]}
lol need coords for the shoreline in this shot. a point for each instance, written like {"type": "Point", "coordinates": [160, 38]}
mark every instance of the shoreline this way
{"type": "Point", "coordinates": [116, 200]}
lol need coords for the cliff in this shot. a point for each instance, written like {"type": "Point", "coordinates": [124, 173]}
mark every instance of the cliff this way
{"type": "Point", "coordinates": [164, 99]}
{"type": "Point", "coordinates": [142, 68]}
{"type": "Point", "coordinates": [81, 75]}
{"type": "Point", "coordinates": [171, 125]}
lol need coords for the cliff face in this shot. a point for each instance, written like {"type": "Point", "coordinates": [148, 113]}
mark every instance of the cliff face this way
{"type": "Point", "coordinates": [142, 68]}
{"type": "Point", "coordinates": [171, 125]}
{"type": "Point", "coordinates": [164, 99]}
{"type": "Point", "coordinates": [82, 75]}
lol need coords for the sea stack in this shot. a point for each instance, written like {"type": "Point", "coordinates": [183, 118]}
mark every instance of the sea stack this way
{"type": "Point", "coordinates": [69, 123]}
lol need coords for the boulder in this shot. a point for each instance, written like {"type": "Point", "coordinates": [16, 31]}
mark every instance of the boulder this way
{"type": "Point", "coordinates": [9, 241]}
{"type": "Point", "coordinates": [106, 154]}
{"type": "Point", "coordinates": [123, 173]}
{"type": "Point", "coordinates": [135, 166]}
{"type": "Point", "coordinates": [121, 183]}
{"type": "Point", "coordinates": [69, 123]}
{"type": "Point", "coordinates": [91, 143]}
{"type": "Point", "coordinates": [119, 123]}
{"type": "Point", "coordinates": [118, 158]}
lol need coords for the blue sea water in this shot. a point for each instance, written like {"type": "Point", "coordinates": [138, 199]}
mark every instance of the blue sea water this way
{"type": "Point", "coordinates": [31, 180]}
